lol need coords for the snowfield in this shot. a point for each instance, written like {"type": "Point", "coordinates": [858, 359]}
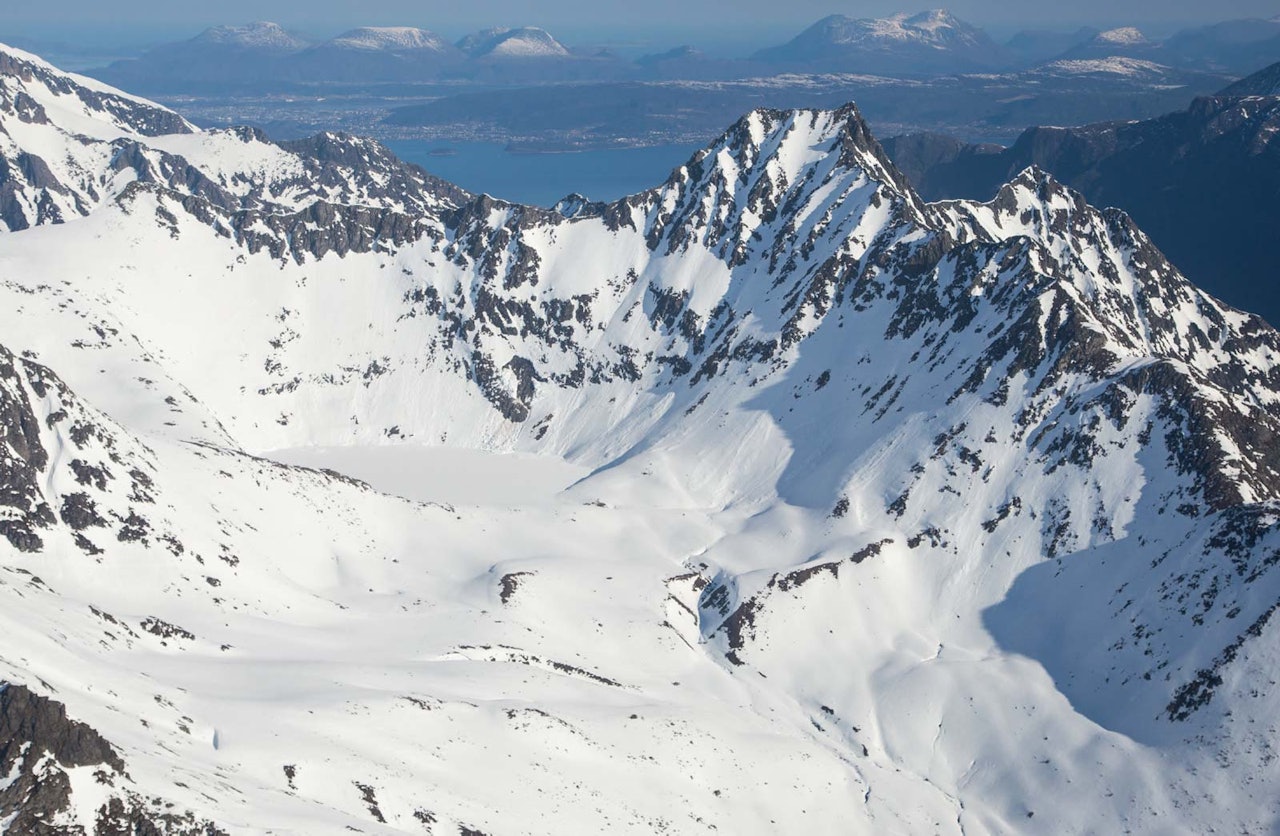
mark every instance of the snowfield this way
{"type": "Point", "coordinates": [771, 500]}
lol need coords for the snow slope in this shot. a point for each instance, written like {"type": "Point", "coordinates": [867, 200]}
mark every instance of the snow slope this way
{"type": "Point", "coordinates": [501, 42]}
{"type": "Point", "coordinates": [850, 513]}
{"type": "Point", "coordinates": [926, 42]}
{"type": "Point", "coordinates": [390, 37]}
{"type": "Point", "coordinates": [1126, 35]}
{"type": "Point", "coordinates": [262, 35]}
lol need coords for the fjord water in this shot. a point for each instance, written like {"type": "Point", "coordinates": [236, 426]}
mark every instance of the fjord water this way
{"type": "Point", "coordinates": [543, 178]}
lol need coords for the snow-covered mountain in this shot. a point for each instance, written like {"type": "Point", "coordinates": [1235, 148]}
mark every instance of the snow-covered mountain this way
{"type": "Point", "coordinates": [1223, 150]}
{"type": "Point", "coordinates": [1121, 36]}
{"type": "Point", "coordinates": [220, 55]}
{"type": "Point", "coordinates": [59, 138]}
{"type": "Point", "coordinates": [372, 54]}
{"type": "Point", "coordinates": [263, 35]}
{"type": "Point", "coordinates": [927, 42]}
{"type": "Point", "coordinates": [391, 37]}
{"type": "Point", "coordinates": [843, 511]}
{"type": "Point", "coordinates": [1121, 42]}
{"type": "Point", "coordinates": [503, 42]}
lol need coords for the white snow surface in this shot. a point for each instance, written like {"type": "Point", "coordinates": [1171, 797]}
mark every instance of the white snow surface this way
{"type": "Point", "coordinates": [525, 42]}
{"type": "Point", "coordinates": [1113, 65]}
{"type": "Point", "coordinates": [450, 475]}
{"type": "Point", "coordinates": [260, 35]}
{"type": "Point", "coordinates": [1124, 35]}
{"type": "Point", "coordinates": [935, 28]}
{"type": "Point", "coordinates": [389, 37]}
{"type": "Point", "coordinates": [912, 545]}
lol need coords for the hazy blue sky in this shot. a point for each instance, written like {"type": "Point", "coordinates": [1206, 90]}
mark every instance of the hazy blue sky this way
{"type": "Point", "coordinates": [83, 19]}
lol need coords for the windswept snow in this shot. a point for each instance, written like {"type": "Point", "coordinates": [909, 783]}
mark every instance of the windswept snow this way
{"type": "Point", "coordinates": [526, 42]}
{"type": "Point", "coordinates": [1124, 35]}
{"type": "Point", "coordinates": [263, 35]}
{"type": "Point", "coordinates": [1114, 65]}
{"type": "Point", "coordinates": [389, 37]}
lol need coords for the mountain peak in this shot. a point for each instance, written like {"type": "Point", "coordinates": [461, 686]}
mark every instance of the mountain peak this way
{"type": "Point", "coordinates": [931, 19]}
{"type": "Point", "coordinates": [502, 42]}
{"type": "Point", "coordinates": [38, 93]}
{"type": "Point", "coordinates": [1034, 202]}
{"type": "Point", "coordinates": [927, 41]}
{"type": "Point", "coordinates": [261, 35]}
{"type": "Point", "coordinates": [389, 38]}
{"type": "Point", "coordinates": [936, 26]}
{"type": "Point", "coordinates": [1039, 183]}
{"type": "Point", "coordinates": [783, 133]}
{"type": "Point", "coordinates": [1121, 36]}
{"type": "Point", "coordinates": [739, 195]}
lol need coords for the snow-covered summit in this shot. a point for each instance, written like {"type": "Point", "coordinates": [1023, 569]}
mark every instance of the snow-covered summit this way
{"type": "Point", "coordinates": [36, 93]}
{"type": "Point", "coordinates": [937, 27]}
{"type": "Point", "coordinates": [390, 38]}
{"type": "Point", "coordinates": [1123, 36]}
{"type": "Point", "coordinates": [262, 35]}
{"type": "Point", "coordinates": [56, 135]}
{"type": "Point", "coordinates": [525, 42]}
{"type": "Point", "coordinates": [922, 42]}
{"type": "Point", "coordinates": [73, 145]}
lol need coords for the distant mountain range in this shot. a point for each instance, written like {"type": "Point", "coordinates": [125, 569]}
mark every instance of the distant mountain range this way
{"type": "Point", "coordinates": [926, 44]}
{"type": "Point", "coordinates": [1204, 182]}
{"type": "Point", "coordinates": [266, 55]}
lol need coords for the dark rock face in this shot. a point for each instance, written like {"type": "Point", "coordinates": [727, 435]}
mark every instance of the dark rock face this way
{"type": "Point", "coordinates": [1202, 183]}
{"type": "Point", "coordinates": [30, 193]}
{"type": "Point", "coordinates": [355, 196]}
{"type": "Point", "coordinates": [347, 194]}
{"type": "Point", "coordinates": [22, 459]}
{"type": "Point", "coordinates": [100, 461]}
{"type": "Point", "coordinates": [924, 158]}
{"type": "Point", "coordinates": [27, 718]}
{"type": "Point", "coordinates": [38, 743]}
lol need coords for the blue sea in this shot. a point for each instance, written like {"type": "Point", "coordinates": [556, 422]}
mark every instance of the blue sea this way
{"type": "Point", "coordinates": [543, 178]}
